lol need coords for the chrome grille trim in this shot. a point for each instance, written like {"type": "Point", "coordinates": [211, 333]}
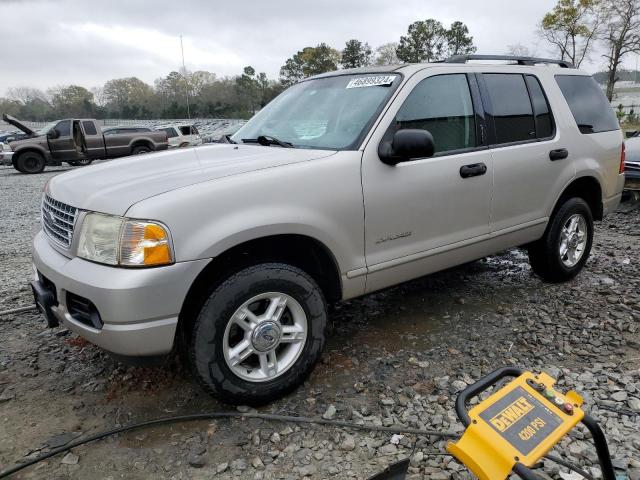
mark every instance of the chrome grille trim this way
{"type": "Point", "coordinates": [58, 220]}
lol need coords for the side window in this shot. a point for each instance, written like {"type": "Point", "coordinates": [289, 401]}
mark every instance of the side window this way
{"type": "Point", "coordinates": [89, 128]}
{"type": "Point", "coordinates": [512, 112]}
{"type": "Point", "coordinates": [589, 106]}
{"type": "Point", "coordinates": [545, 126]}
{"type": "Point", "coordinates": [441, 105]}
{"type": "Point", "coordinates": [64, 127]}
{"type": "Point", "coordinates": [171, 132]}
{"type": "Point", "coordinates": [185, 130]}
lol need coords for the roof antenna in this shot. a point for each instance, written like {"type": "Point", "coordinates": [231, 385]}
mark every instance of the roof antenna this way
{"type": "Point", "coordinates": [186, 81]}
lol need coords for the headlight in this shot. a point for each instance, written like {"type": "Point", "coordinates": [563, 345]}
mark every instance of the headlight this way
{"type": "Point", "coordinates": [120, 241]}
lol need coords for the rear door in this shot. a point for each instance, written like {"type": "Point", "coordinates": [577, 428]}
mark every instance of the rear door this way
{"type": "Point", "coordinates": [94, 141]}
{"type": "Point", "coordinates": [522, 135]}
{"type": "Point", "coordinates": [63, 148]}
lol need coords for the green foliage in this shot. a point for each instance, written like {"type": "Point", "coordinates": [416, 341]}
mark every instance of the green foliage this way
{"type": "Point", "coordinates": [72, 101]}
{"type": "Point", "coordinates": [309, 61]}
{"type": "Point", "coordinates": [572, 27]}
{"type": "Point", "coordinates": [459, 42]}
{"type": "Point", "coordinates": [356, 54]}
{"type": "Point", "coordinates": [429, 40]}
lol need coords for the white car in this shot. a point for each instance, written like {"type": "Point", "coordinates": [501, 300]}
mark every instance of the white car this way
{"type": "Point", "coordinates": [181, 135]}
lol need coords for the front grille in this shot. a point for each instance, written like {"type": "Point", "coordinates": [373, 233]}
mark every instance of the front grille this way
{"type": "Point", "coordinates": [58, 220]}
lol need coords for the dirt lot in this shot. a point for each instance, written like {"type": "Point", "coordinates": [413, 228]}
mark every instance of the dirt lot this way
{"type": "Point", "coordinates": [397, 357]}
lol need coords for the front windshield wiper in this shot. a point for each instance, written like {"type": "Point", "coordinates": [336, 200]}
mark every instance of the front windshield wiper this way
{"type": "Point", "coordinates": [227, 139]}
{"type": "Point", "coordinates": [266, 140]}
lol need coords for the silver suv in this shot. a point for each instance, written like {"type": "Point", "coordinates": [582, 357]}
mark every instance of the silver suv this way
{"type": "Point", "coordinates": [346, 183]}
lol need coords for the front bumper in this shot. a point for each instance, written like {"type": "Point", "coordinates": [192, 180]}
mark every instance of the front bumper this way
{"type": "Point", "coordinates": [6, 158]}
{"type": "Point", "coordinates": [138, 308]}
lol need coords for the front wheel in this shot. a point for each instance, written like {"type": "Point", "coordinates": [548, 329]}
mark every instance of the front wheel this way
{"type": "Point", "coordinates": [30, 162]}
{"type": "Point", "coordinates": [564, 249]}
{"type": "Point", "coordinates": [259, 334]}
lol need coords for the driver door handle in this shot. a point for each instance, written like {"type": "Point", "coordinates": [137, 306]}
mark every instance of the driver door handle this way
{"type": "Point", "coordinates": [473, 170]}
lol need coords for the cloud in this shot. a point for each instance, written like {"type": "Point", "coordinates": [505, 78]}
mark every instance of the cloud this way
{"type": "Point", "coordinates": [46, 43]}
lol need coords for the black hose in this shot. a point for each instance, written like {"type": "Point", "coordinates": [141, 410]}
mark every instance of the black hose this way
{"type": "Point", "coordinates": [211, 415]}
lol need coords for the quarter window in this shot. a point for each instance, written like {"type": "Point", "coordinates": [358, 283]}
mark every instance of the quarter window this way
{"type": "Point", "coordinates": [512, 112]}
{"type": "Point", "coordinates": [441, 105]}
{"type": "Point", "coordinates": [589, 106]}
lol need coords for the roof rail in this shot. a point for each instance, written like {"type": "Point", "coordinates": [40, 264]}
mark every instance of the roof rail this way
{"type": "Point", "coordinates": [509, 58]}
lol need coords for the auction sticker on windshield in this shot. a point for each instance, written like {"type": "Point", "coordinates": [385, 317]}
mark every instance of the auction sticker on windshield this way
{"type": "Point", "coordinates": [376, 81]}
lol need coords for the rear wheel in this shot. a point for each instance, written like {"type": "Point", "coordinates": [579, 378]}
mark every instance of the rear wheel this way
{"type": "Point", "coordinates": [259, 334]}
{"type": "Point", "coordinates": [30, 162]}
{"type": "Point", "coordinates": [140, 149]}
{"type": "Point", "coordinates": [564, 249]}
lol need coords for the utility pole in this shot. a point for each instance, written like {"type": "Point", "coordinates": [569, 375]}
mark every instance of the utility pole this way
{"type": "Point", "coordinates": [186, 81]}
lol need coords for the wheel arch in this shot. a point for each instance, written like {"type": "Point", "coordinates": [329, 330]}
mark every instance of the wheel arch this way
{"type": "Point", "coordinates": [142, 142]}
{"type": "Point", "coordinates": [302, 251]}
{"type": "Point", "coordinates": [30, 148]}
{"type": "Point", "coordinates": [589, 189]}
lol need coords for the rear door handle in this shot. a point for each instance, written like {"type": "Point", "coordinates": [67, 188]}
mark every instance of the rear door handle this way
{"type": "Point", "coordinates": [473, 170]}
{"type": "Point", "coordinates": [559, 154]}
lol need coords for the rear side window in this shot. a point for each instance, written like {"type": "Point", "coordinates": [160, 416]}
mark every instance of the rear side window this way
{"type": "Point", "coordinates": [89, 128]}
{"type": "Point", "coordinates": [543, 118]}
{"type": "Point", "coordinates": [171, 132]}
{"type": "Point", "coordinates": [185, 130]}
{"type": "Point", "coordinates": [441, 105]}
{"type": "Point", "coordinates": [512, 112]}
{"type": "Point", "coordinates": [589, 106]}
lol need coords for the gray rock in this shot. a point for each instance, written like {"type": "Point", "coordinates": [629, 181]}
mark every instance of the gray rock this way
{"type": "Point", "coordinates": [70, 459]}
{"type": "Point", "coordinates": [330, 413]}
{"type": "Point", "coordinates": [197, 461]}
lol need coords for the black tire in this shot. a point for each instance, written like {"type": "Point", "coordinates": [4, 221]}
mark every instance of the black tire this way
{"type": "Point", "coordinates": [544, 254]}
{"type": "Point", "coordinates": [207, 336]}
{"type": "Point", "coordinates": [140, 149]}
{"type": "Point", "coordinates": [81, 163]}
{"type": "Point", "coordinates": [30, 162]}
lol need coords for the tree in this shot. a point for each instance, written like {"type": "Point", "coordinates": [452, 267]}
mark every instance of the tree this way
{"type": "Point", "coordinates": [519, 50]}
{"type": "Point", "coordinates": [459, 42]}
{"type": "Point", "coordinates": [386, 54]}
{"type": "Point", "coordinates": [309, 61]}
{"type": "Point", "coordinates": [356, 54]}
{"type": "Point", "coordinates": [425, 42]}
{"type": "Point", "coordinates": [572, 27]}
{"type": "Point", "coordinates": [72, 101]}
{"type": "Point", "coordinates": [622, 36]}
{"type": "Point", "coordinates": [127, 97]}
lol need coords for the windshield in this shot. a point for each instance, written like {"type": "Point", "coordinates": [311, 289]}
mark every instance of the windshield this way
{"type": "Point", "coordinates": [326, 113]}
{"type": "Point", "coordinates": [44, 130]}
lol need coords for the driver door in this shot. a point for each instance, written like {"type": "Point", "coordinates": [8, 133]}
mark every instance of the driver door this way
{"type": "Point", "coordinates": [426, 214]}
{"type": "Point", "coordinates": [63, 148]}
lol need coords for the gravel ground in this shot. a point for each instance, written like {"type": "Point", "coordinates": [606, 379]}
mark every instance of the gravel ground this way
{"type": "Point", "coordinates": [394, 358]}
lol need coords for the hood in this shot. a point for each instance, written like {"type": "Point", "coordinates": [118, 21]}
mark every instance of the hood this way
{"type": "Point", "coordinates": [16, 123]}
{"type": "Point", "coordinates": [114, 186]}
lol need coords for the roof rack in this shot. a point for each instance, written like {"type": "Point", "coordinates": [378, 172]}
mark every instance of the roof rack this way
{"type": "Point", "coordinates": [509, 58]}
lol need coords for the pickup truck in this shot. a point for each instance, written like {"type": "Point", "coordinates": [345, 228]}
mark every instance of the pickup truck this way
{"type": "Point", "coordinates": [74, 141]}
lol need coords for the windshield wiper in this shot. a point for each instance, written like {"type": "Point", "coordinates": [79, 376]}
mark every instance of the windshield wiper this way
{"type": "Point", "coordinates": [227, 139]}
{"type": "Point", "coordinates": [266, 140]}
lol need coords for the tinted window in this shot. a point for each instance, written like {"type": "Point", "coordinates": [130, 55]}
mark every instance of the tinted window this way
{"type": "Point", "coordinates": [185, 130]}
{"type": "Point", "coordinates": [442, 105]}
{"type": "Point", "coordinates": [89, 128]}
{"type": "Point", "coordinates": [64, 127]}
{"type": "Point", "coordinates": [589, 106]}
{"type": "Point", "coordinates": [171, 132]}
{"type": "Point", "coordinates": [512, 111]}
{"type": "Point", "coordinates": [541, 109]}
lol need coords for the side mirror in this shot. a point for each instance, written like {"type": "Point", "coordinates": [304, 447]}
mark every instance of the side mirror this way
{"type": "Point", "coordinates": [53, 134]}
{"type": "Point", "coordinates": [407, 145]}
